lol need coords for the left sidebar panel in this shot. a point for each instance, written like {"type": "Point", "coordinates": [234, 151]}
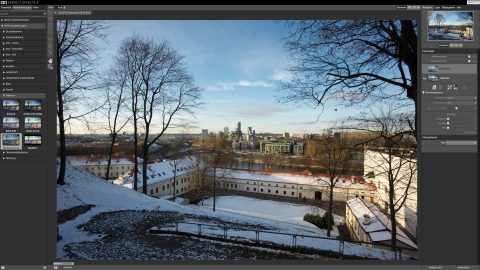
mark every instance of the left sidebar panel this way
{"type": "Point", "coordinates": [23, 131]}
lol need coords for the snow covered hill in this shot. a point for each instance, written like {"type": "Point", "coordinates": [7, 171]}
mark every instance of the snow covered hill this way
{"type": "Point", "coordinates": [129, 214]}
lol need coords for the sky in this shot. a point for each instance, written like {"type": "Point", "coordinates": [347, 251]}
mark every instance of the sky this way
{"type": "Point", "coordinates": [239, 64]}
{"type": "Point", "coordinates": [451, 17]}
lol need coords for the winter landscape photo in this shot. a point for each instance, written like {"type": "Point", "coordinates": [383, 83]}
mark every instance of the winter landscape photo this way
{"type": "Point", "coordinates": [227, 140]}
{"type": "Point", "coordinates": [450, 25]}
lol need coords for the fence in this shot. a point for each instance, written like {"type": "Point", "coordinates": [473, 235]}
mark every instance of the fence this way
{"type": "Point", "coordinates": [225, 235]}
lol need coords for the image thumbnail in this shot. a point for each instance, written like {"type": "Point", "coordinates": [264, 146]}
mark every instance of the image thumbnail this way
{"type": "Point", "coordinates": [33, 139]}
{"type": "Point", "coordinates": [11, 105]}
{"type": "Point", "coordinates": [11, 141]}
{"type": "Point", "coordinates": [11, 122]}
{"type": "Point", "coordinates": [450, 25]}
{"type": "Point", "coordinates": [33, 122]}
{"type": "Point", "coordinates": [33, 105]}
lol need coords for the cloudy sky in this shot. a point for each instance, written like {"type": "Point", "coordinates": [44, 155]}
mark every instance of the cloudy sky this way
{"type": "Point", "coordinates": [239, 64]}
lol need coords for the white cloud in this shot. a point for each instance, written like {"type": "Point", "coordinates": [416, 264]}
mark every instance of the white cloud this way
{"type": "Point", "coordinates": [229, 86]}
{"type": "Point", "coordinates": [281, 75]}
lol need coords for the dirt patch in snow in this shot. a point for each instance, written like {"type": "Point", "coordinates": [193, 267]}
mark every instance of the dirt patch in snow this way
{"type": "Point", "coordinates": [72, 212]}
{"type": "Point", "coordinates": [125, 238]}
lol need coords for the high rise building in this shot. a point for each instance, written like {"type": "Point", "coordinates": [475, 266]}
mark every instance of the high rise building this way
{"type": "Point", "coordinates": [226, 131]}
{"type": "Point", "coordinates": [250, 130]}
{"type": "Point", "coordinates": [239, 127]}
{"type": "Point", "coordinates": [204, 133]}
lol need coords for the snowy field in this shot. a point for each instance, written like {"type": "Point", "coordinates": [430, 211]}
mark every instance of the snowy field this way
{"type": "Point", "coordinates": [116, 226]}
{"type": "Point", "coordinates": [267, 209]}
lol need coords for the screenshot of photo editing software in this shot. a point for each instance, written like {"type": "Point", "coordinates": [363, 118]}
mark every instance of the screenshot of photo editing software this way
{"type": "Point", "coordinates": [239, 136]}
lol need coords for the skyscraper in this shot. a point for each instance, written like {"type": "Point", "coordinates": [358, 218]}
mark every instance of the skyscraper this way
{"type": "Point", "coordinates": [239, 127]}
{"type": "Point", "coordinates": [226, 131]}
{"type": "Point", "coordinates": [250, 130]}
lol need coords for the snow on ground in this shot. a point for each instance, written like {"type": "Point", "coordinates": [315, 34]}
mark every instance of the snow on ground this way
{"type": "Point", "coordinates": [272, 210]}
{"type": "Point", "coordinates": [84, 188]}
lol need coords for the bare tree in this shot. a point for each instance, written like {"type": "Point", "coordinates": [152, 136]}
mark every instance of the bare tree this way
{"type": "Point", "coordinates": [391, 160]}
{"type": "Point", "coordinates": [75, 57]}
{"type": "Point", "coordinates": [115, 95]}
{"type": "Point", "coordinates": [166, 89]}
{"type": "Point", "coordinates": [439, 20]}
{"type": "Point", "coordinates": [353, 62]}
{"type": "Point", "coordinates": [250, 159]}
{"type": "Point", "coordinates": [201, 179]}
{"type": "Point", "coordinates": [218, 159]}
{"type": "Point", "coordinates": [128, 63]}
{"type": "Point", "coordinates": [177, 158]}
{"type": "Point", "coordinates": [331, 155]}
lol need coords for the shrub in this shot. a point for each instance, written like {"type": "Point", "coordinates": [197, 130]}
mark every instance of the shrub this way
{"type": "Point", "coordinates": [319, 221]}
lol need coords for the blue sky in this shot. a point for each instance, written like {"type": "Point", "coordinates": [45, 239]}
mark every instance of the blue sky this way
{"type": "Point", "coordinates": [239, 64]}
{"type": "Point", "coordinates": [451, 17]}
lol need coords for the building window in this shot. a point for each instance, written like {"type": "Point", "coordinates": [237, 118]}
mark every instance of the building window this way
{"type": "Point", "coordinates": [293, 187]}
{"type": "Point", "coordinates": [163, 187]}
{"type": "Point", "coordinates": [276, 191]}
{"type": "Point", "coordinates": [248, 188]}
{"type": "Point", "coordinates": [301, 187]}
{"type": "Point", "coordinates": [156, 190]}
{"type": "Point", "coordinates": [293, 193]}
{"type": "Point", "coordinates": [269, 191]}
{"type": "Point", "coordinates": [284, 192]}
{"type": "Point", "coordinates": [235, 185]}
{"type": "Point", "coordinates": [247, 182]}
{"type": "Point", "coordinates": [168, 185]}
{"type": "Point", "coordinates": [261, 184]}
{"type": "Point", "coordinates": [254, 189]}
{"type": "Point", "coordinates": [261, 190]}
{"type": "Point", "coordinates": [151, 191]}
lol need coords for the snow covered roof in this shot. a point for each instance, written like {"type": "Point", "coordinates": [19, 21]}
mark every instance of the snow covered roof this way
{"type": "Point", "coordinates": [304, 178]}
{"type": "Point", "coordinates": [380, 228]}
{"type": "Point", "coordinates": [100, 160]}
{"type": "Point", "coordinates": [161, 171]}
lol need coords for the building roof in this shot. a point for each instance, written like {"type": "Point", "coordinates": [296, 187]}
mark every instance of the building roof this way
{"type": "Point", "coordinates": [302, 178]}
{"type": "Point", "coordinates": [158, 172]}
{"type": "Point", "coordinates": [380, 228]}
{"type": "Point", "coordinates": [100, 160]}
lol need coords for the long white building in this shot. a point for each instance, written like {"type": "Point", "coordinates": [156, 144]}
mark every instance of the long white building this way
{"type": "Point", "coordinates": [298, 185]}
{"type": "Point", "coordinates": [97, 164]}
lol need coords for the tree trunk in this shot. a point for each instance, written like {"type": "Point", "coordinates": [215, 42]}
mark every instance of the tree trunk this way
{"type": "Point", "coordinates": [144, 165]}
{"type": "Point", "coordinates": [391, 205]}
{"type": "Point", "coordinates": [61, 127]}
{"type": "Point", "coordinates": [330, 209]}
{"type": "Point", "coordinates": [110, 153]}
{"type": "Point", "coordinates": [174, 180]}
{"type": "Point", "coordinates": [214, 188]}
{"type": "Point", "coordinates": [135, 147]}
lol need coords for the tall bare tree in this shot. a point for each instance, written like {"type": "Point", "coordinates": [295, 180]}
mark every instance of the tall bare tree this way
{"type": "Point", "coordinates": [75, 55]}
{"type": "Point", "coordinates": [127, 62]}
{"type": "Point", "coordinates": [392, 159]}
{"type": "Point", "coordinates": [167, 90]}
{"type": "Point", "coordinates": [352, 62]}
{"type": "Point", "coordinates": [332, 156]}
{"type": "Point", "coordinates": [116, 97]}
